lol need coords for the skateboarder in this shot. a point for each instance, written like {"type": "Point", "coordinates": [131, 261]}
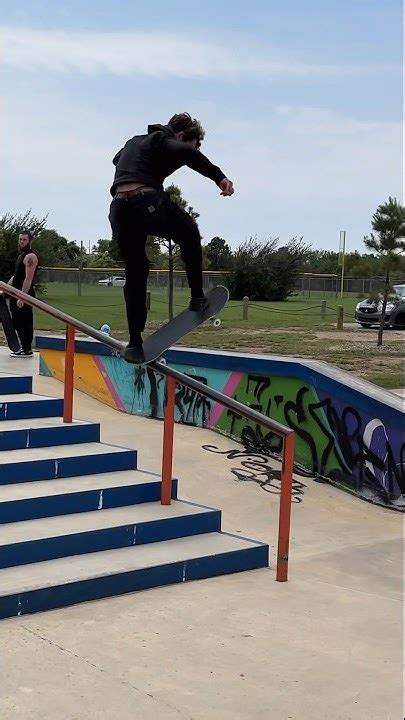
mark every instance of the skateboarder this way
{"type": "Point", "coordinates": [23, 279]}
{"type": "Point", "coordinates": [140, 208]}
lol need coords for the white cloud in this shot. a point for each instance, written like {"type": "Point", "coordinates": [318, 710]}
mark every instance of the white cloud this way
{"type": "Point", "coordinates": [311, 154]}
{"type": "Point", "coordinates": [54, 146]}
{"type": "Point", "coordinates": [309, 171]}
{"type": "Point", "coordinates": [302, 171]}
{"type": "Point", "coordinates": [154, 54]}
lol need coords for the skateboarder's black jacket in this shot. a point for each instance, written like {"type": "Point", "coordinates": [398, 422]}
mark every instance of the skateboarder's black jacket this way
{"type": "Point", "coordinates": [150, 158]}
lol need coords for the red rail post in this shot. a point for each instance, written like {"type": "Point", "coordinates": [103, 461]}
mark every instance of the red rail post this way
{"type": "Point", "coordinates": [168, 434]}
{"type": "Point", "coordinates": [284, 519]}
{"type": "Point", "coordinates": [69, 374]}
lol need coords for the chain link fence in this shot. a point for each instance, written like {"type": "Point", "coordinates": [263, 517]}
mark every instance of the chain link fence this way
{"type": "Point", "coordinates": [116, 277]}
{"type": "Point", "coordinates": [331, 285]}
{"type": "Point", "coordinates": [308, 285]}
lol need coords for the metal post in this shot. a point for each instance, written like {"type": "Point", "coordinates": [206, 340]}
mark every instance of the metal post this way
{"type": "Point", "coordinates": [284, 520]}
{"type": "Point", "coordinates": [323, 310]}
{"type": "Point", "coordinates": [339, 323]}
{"type": "Point", "coordinates": [245, 308]}
{"type": "Point", "coordinates": [69, 374]}
{"type": "Point", "coordinates": [168, 435]}
{"type": "Point", "coordinates": [79, 279]}
{"type": "Point", "coordinates": [148, 299]}
{"type": "Point", "coordinates": [342, 252]}
{"type": "Point", "coordinates": [170, 288]}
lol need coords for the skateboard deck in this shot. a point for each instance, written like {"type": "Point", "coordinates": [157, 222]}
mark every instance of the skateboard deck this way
{"type": "Point", "coordinates": [183, 323]}
{"type": "Point", "coordinates": [8, 327]}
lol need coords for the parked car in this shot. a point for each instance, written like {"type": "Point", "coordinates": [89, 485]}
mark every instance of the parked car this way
{"type": "Point", "coordinates": [113, 281]}
{"type": "Point", "coordinates": [368, 312]}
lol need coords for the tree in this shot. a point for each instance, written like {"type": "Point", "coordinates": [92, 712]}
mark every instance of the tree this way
{"type": "Point", "coordinates": [153, 251]}
{"type": "Point", "coordinates": [10, 228]}
{"type": "Point", "coordinates": [389, 224]}
{"type": "Point", "coordinates": [264, 271]}
{"type": "Point", "coordinates": [219, 254]}
{"type": "Point", "coordinates": [55, 250]}
{"type": "Point", "coordinates": [321, 261]}
{"type": "Point", "coordinates": [102, 246]}
{"type": "Point", "coordinates": [362, 266]}
{"type": "Point", "coordinates": [105, 254]}
{"type": "Point", "coordinates": [114, 252]}
{"type": "Point", "coordinates": [286, 268]}
{"type": "Point", "coordinates": [174, 259]}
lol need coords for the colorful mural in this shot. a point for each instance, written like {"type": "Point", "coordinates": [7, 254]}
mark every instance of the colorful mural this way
{"type": "Point", "coordinates": [344, 440]}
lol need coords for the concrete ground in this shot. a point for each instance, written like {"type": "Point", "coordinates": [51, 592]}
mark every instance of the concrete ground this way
{"type": "Point", "coordinates": [327, 645]}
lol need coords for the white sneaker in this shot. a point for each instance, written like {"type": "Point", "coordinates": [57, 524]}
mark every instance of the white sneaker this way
{"type": "Point", "coordinates": [21, 354]}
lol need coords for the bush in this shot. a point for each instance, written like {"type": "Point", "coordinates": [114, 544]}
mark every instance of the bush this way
{"type": "Point", "coordinates": [264, 271]}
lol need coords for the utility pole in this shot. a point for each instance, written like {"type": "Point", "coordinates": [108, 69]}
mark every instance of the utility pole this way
{"type": "Point", "coordinates": [342, 251]}
{"type": "Point", "coordinates": [80, 270]}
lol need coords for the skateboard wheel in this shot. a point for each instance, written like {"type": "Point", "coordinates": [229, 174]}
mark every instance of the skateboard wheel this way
{"type": "Point", "coordinates": [216, 322]}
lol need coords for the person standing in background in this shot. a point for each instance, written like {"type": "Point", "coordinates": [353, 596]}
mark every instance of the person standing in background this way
{"type": "Point", "coordinates": [23, 279]}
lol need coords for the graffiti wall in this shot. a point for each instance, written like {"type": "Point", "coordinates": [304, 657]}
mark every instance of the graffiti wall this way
{"type": "Point", "coordinates": [347, 431]}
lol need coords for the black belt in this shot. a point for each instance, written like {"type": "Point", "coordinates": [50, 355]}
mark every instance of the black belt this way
{"type": "Point", "coordinates": [131, 193]}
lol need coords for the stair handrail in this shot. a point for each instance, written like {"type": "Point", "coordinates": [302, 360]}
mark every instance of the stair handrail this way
{"type": "Point", "coordinates": [172, 377]}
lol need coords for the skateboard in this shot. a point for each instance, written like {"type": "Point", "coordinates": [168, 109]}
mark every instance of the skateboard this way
{"type": "Point", "coordinates": [183, 323]}
{"type": "Point", "coordinates": [8, 327]}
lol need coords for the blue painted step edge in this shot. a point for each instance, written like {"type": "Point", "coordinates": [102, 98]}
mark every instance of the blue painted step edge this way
{"type": "Point", "coordinates": [15, 385]}
{"type": "Point", "coordinates": [81, 501]}
{"type": "Point", "coordinates": [58, 596]}
{"type": "Point", "coordinates": [97, 540]}
{"type": "Point", "coordinates": [47, 437]}
{"type": "Point", "coordinates": [24, 409]}
{"type": "Point", "coordinates": [33, 470]}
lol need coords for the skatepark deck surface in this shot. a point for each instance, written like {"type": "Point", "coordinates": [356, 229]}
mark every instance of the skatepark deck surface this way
{"type": "Point", "coordinates": [326, 645]}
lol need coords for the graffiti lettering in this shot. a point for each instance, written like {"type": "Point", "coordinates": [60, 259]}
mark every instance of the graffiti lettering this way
{"type": "Point", "coordinates": [140, 375]}
{"type": "Point", "coordinates": [336, 440]}
{"type": "Point", "coordinates": [193, 408]}
{"type": "Point", "coordinates": [255, 467]}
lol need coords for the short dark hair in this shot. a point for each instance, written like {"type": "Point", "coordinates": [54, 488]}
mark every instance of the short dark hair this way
{"type": "Point", "coordinates": [191, 127]}
{"type": "Point", "coordinates": [27, 232]}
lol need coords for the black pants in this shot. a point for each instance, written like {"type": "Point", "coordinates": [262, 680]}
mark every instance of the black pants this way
{"type": "Point", "coordinates": [132, 220]}
{"type": "Point", "coordinates": [23, 321]}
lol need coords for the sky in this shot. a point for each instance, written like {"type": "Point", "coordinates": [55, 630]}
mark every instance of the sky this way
{"type": "Point", "coordinates": [301, 102]}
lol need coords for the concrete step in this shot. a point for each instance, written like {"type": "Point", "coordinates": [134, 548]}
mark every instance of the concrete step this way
{"type": "Point", "coordinates": [63, 461]}
{"type": "Point", "coordinates": [45, 432]}
{"type": "Point", "coordinates": [17, 406]}
{"type": "Point", "coordinates": [15, 384]}
{"type": "Point", "coordinates": [35, 541]}
{"type": "Point", "coordinates": [47, 498]}
{"type": "Point", "coordinates": [67, 581]}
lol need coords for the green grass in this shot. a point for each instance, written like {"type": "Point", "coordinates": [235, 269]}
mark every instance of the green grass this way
{"type": "Point", "coordinates": [98, 305]}
{"type": "Point", "coordinates": [284, 328]}
{"type": "Point", "coordinates": [387, 380]}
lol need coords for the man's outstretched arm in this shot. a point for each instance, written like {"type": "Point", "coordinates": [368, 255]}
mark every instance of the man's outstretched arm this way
{"type": "Point", "coordinates": [185, 154]}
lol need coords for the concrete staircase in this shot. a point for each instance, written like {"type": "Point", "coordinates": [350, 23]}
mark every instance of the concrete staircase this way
{"type": "Point", "coordinates": [79, 521]}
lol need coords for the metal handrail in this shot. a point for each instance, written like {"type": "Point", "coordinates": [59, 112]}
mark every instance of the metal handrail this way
{"type": "Point", "coordinates": [160, 367]}
{"type": "Point", "coordinates": [60, 315]}
{"type": "Point", "coordinates": [173, 376]}
{"type": "Point", "coordinates": [237, 407]}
